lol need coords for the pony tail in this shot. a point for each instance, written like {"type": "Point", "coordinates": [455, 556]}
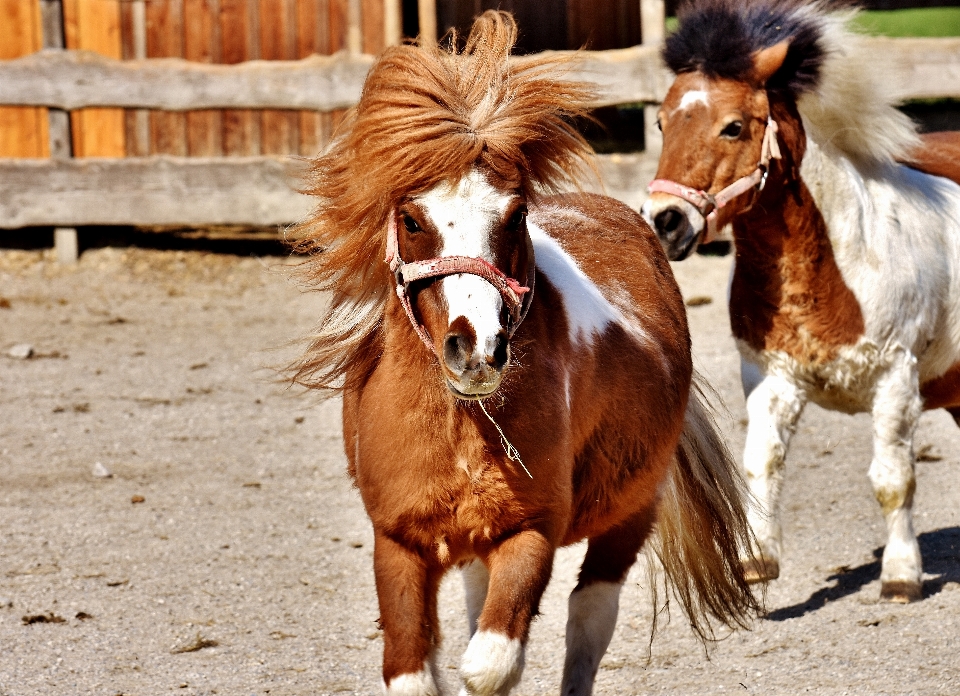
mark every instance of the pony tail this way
{"type": "Point", "coordinates": [702, 527]}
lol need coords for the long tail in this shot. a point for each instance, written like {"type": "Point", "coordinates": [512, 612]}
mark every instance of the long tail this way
{"type": "Point", "coordinates": [702, 526]}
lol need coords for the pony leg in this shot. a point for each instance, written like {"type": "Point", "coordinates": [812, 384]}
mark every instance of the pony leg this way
{"type": "Point", "coordinates": [407, 593]}
{"type": "Point", "coordinates": [519, 572]}
{"type": "Point", "coordinates": [773, 408]}
{"type": "Point", "coordinates": [594, 602]}
{"type": "Point", "coordinates": [896, 411]}
{"type": "Point", "coordinates": [476, 580]}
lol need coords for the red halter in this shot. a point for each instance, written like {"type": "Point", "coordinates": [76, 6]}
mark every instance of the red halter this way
{"type": "Point", "coordinates": [708, 204]}
{"type": "Point", "coordinates": [516, 297]}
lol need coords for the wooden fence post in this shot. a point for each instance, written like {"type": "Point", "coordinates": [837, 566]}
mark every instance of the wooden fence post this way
{"type": "Point", "coordinates": [66, 244]}
{"type": "Point", "coordinates": [65, 240]}
{"type": "Point", "coordinates": [392, 22]}
{"type": "Point", "coordinates": [355, 26]}
{"type": "Point", "coordinates": [59, 120]}
{"type": "Point", "coordinates": [141, 117]}
{"type": "Point", "coordinates": [427, 14]}
{"type": "Point", "coordinates": [652, 31]}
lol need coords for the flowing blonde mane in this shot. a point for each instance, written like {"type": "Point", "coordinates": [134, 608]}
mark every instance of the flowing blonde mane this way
{"type": "Point", "coordinates": [852, 108]}
{"type": "Point", "coordinates": [427, 115]}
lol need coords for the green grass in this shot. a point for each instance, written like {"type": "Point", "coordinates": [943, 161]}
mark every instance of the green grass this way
{"type": "Point", "coordinates": [925, 21]}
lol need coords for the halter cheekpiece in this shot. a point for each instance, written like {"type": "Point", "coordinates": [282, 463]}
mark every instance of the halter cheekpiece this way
{"type": "Point", "coordinates": [516, 297]}
{"type": "Point", "coordinates": [708, 204]}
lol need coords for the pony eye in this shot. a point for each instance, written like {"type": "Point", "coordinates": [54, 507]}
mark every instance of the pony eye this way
{"type": "Point", "coordinates": [659, 125]}
{"type": "Point", "coordinates": [516, 219]}
{"type": "Point", "coordinates": [732, 129]}
{"type": "Point", "coordinates": [410, 225]}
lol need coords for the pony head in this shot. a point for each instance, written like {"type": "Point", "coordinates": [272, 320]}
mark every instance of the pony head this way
{"type": "Point", "coordinates": [743, 68]}
{"type": "Point", "coordinates": [442, 154]}
{"type": "Point", "coordinates": [473, 240]}
{"type": "Point", "coordinates": [730, 59]}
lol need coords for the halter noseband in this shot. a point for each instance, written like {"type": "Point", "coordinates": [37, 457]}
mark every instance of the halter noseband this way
{"type": "Point", "coordinates": [708, 204]}
{"type": "Point", "coordinates": [516, 297]}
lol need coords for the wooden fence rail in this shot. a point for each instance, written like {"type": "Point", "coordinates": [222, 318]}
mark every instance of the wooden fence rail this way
{"type": "Point", "coordinates": [163, 190]}
{"type": "Point", "coordinates": [197, 191]}
{"type": "Point", "coordinates": [928, 68]}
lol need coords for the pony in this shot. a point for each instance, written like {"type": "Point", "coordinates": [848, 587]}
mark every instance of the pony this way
{"type": "Point", "coordinates": [514, 365]}
{"type": "Point", "coordinates": [846, 227]}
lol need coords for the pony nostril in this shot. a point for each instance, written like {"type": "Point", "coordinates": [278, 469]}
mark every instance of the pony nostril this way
{"type": "Point", "coordinates": [456, 348]}
{"type": "Point", "coordinates": [501, 352]}
{"type": "Point", "coordinates": [668, 221]}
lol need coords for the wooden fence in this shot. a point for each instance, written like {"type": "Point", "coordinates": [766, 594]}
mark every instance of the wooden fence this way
{"type": "Point", "coordinates": [209, 107]}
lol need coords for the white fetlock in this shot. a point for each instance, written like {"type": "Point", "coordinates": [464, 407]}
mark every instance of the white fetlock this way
{"type": "Point", "coordinates": [492, 664]}
{"type": "Point", "coordinates": [420, 683]}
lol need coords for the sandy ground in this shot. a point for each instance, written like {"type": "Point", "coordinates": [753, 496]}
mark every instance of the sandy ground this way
{"type": "Point", "coordinates": [246, 566]}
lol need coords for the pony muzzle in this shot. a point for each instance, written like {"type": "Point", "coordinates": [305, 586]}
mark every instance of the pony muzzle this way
{"type": "Point", "coordinates": [678, 224]}
{"type": "Point", "coordinates": [473, 372]}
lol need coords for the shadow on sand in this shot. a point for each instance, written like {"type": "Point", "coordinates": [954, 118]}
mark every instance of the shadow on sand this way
{"type": "Point", "coordinates": [240, 242]}
{"type": "Point", "coordinates": [941, 557]}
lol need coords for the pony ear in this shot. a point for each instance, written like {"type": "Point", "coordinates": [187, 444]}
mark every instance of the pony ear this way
{"type": "Point", "coordinates": [768, 60]}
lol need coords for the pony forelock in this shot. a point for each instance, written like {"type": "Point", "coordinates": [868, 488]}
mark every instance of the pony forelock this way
{"type": "Point", "coordinates": [428, 114]}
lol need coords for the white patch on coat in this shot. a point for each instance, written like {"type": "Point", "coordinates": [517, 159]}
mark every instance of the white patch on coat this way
{"type": "Point", "coordinates": [587, 311]}
{"type": "Point", "coordinates": [773, 409]}
{"type": "Point", "coordinates": [465, 215]}
{"type": "Point", "coordinates": [492, 664]}
{"type": "Point", "coordinates": [476, 580]}
{"type": "Point", "coordinates": [591, 619]}
{"type": "Point", "coordinates": [862, 377]}
{"type": "Point", "coordinates": [896, 240]}
{"type": "Point", "coordinates": [420, 683]}
{"type": "Point", "coordinates": [693, 96]}
{"type": "Point", "coordinates": [896, 412]}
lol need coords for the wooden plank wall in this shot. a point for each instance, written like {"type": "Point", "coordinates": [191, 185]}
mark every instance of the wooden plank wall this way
{"type": "Point", "coordinates": [206, 31]}
{"type": "Point", "coordinates": [233, 31]}
{"type": "Point", "coordinates": [603, 24]}
{"type": "Point", "coordinates": [553, 24]}
{"type": "Point", "coordinates": [94, 25]}
{"type": "Point", "coordinates": [24, 130]}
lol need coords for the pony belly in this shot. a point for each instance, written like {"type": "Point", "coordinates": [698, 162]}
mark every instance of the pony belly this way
{"type": "Point", "coordinates": [845, 383]}
{"type": "Point", "coordinates": [612, 502]}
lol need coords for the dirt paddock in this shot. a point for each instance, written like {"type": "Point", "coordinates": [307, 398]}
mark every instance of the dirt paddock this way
{"type": "Point", "coordinates": [228, 554]}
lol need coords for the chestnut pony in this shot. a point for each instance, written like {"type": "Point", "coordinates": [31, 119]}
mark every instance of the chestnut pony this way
{"type": "Point", "coordinates": [516, 376]}
{"type": "Point", "coordinates": [846, 284]}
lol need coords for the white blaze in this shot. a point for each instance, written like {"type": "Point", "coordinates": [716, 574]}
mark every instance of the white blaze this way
{"type": "Point", "coordinates": [465, 215]}
{"type": "Point", "coordinates": [694, 96]}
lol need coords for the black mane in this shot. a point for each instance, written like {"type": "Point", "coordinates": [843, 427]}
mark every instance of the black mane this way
{"type": "Point", "coordinates": [718, 38]}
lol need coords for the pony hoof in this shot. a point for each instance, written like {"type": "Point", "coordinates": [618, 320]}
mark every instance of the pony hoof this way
{"type": "Point", "coordinates": [756, 570]}
{"type": "Point", "coordinates": [901, 591]}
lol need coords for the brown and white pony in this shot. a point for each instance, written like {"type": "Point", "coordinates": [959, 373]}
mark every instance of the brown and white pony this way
{"type": "Point", "coordinates": [517, 376]}
{"type": "Point", "coordinates": [846, 285]}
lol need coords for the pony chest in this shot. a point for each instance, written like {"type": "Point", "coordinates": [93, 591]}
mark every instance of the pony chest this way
{"type": "Point", "coordinates": [448, 505]}
{"type": "Point", "coordinates": [797, 304]}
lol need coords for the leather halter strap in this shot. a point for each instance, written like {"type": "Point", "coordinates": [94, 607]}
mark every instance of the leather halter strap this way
{"type": "Point", "coordinates": [708, 204]}
{"type": "Point", "coordinates": [517, 298]}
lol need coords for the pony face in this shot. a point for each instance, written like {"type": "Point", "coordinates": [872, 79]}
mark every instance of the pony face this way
{"type": "Point", "coordinates": [463, 313]}
{"type": "Point", "coordinates": [712, 135]}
